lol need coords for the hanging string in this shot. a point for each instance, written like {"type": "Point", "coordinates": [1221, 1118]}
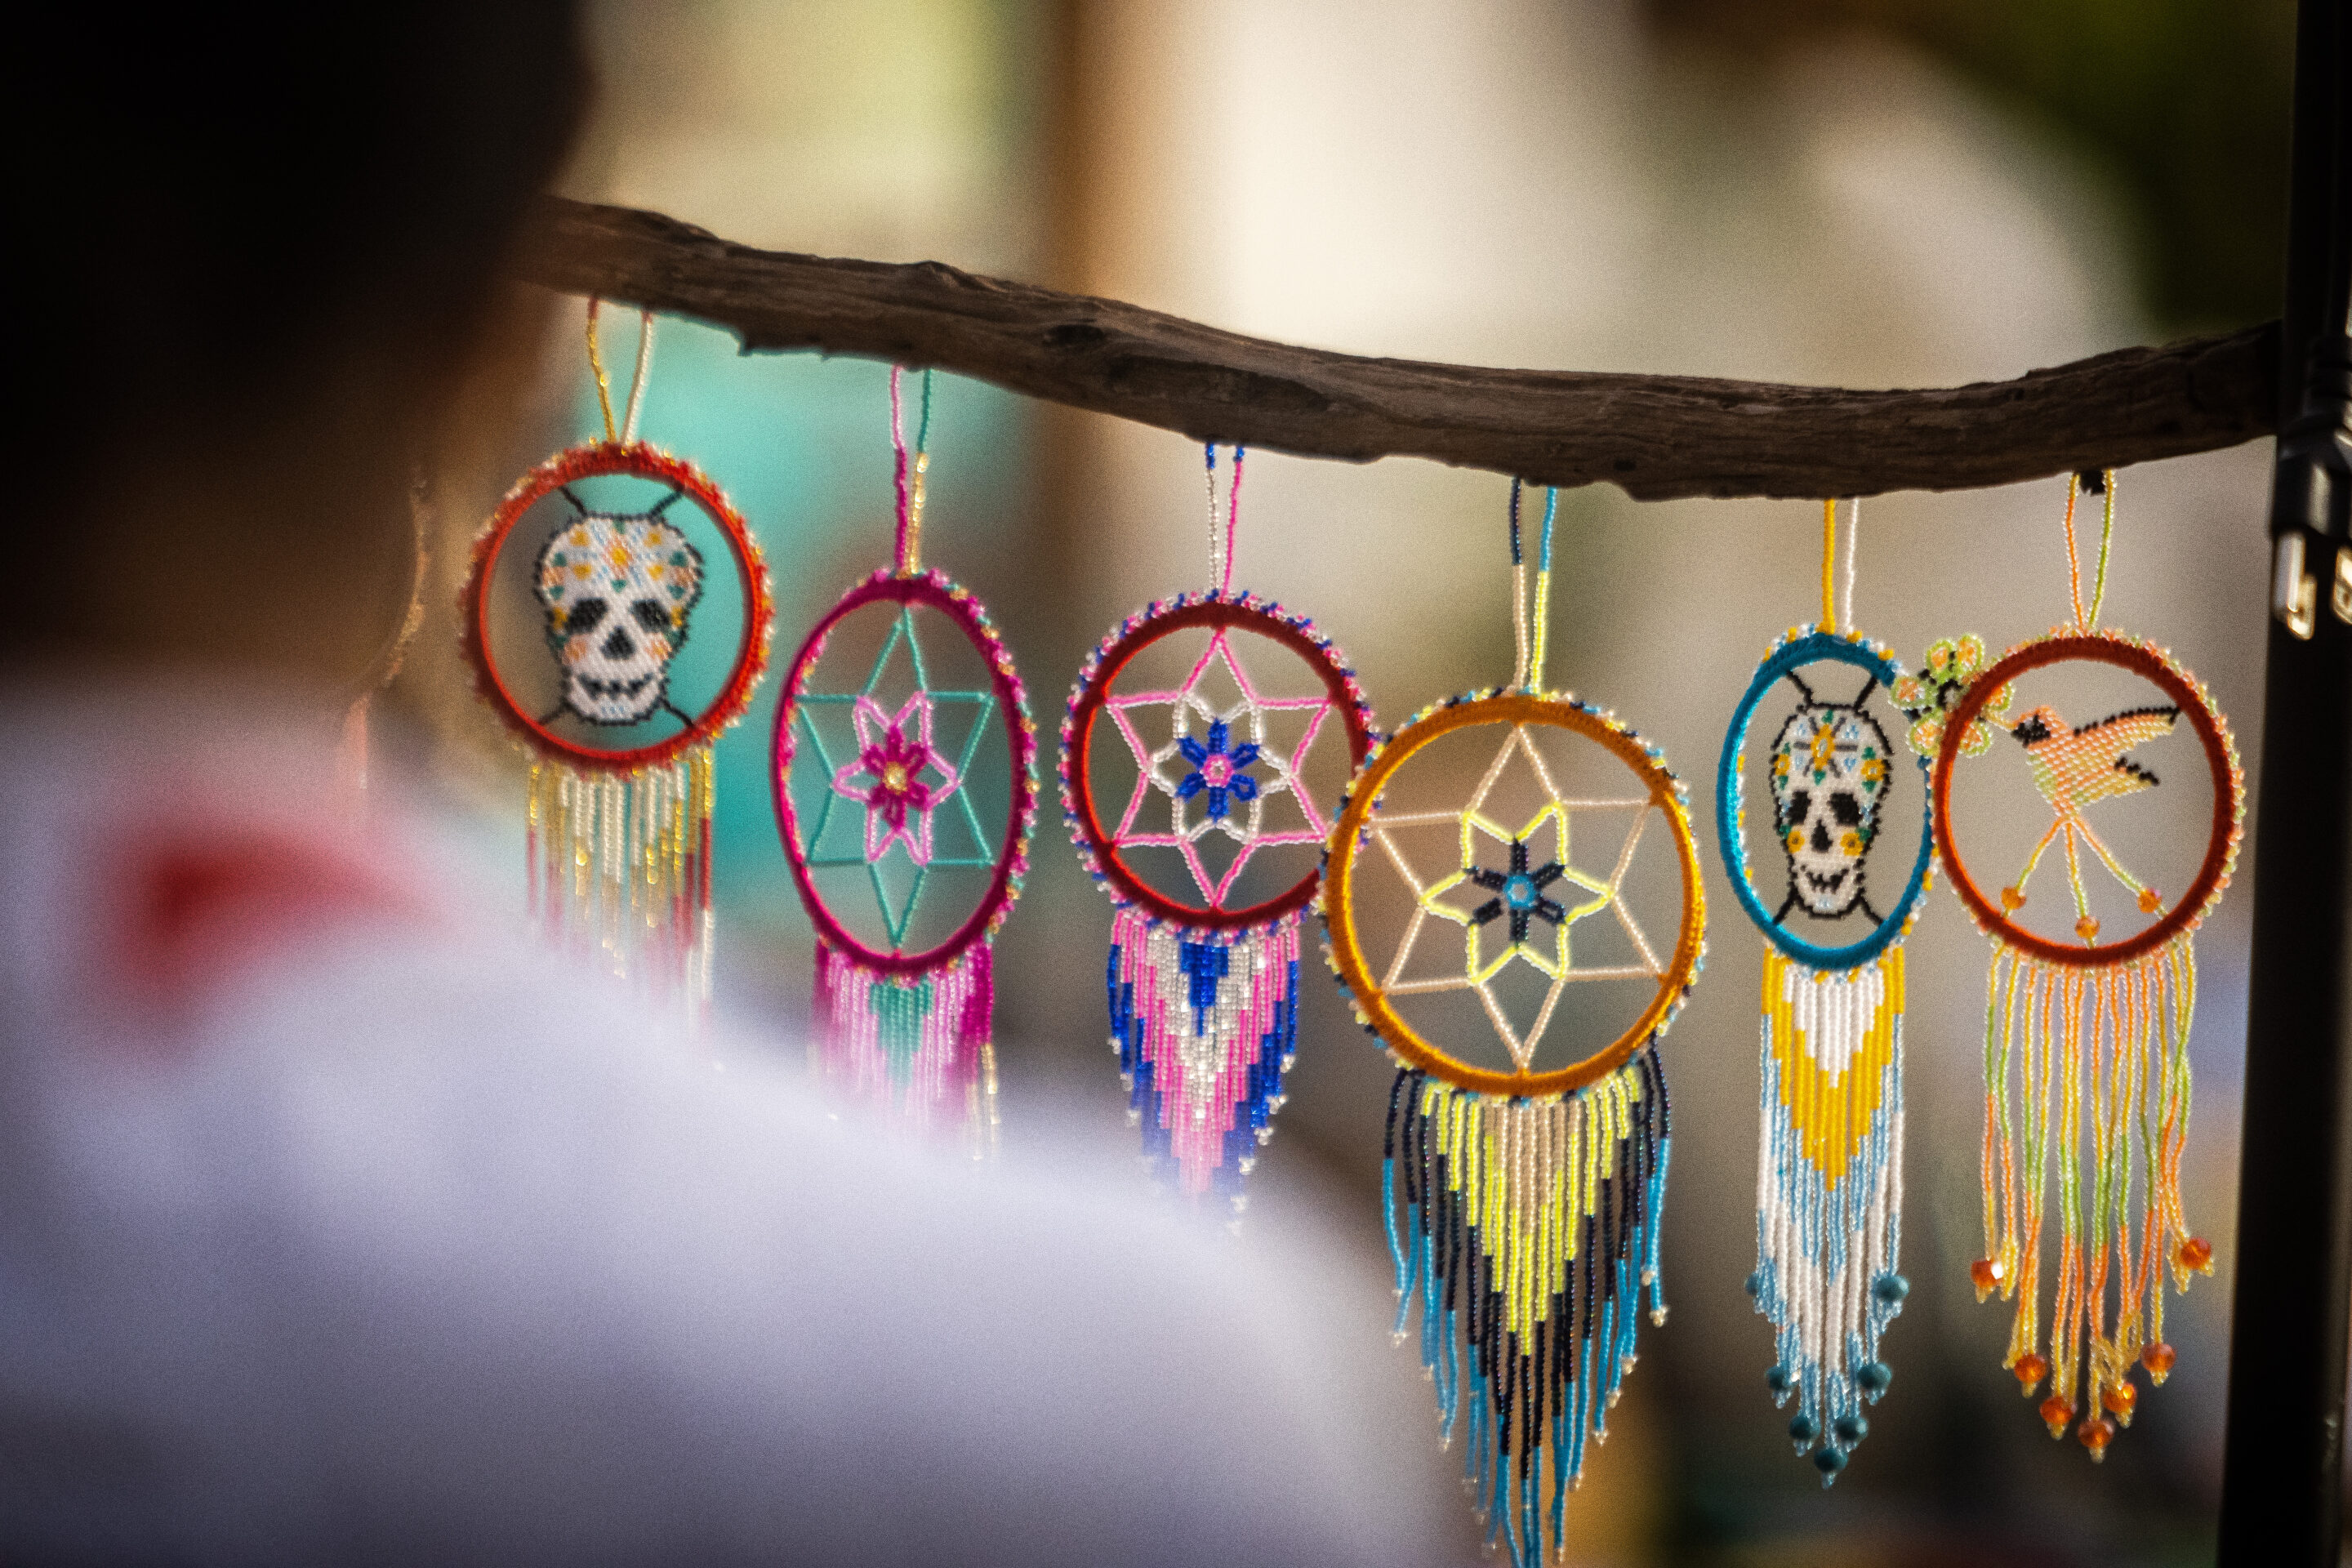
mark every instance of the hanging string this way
{"type": "Point", "coordinates": [2088, 621]}
{"type": "Point", "coordinates": [1542, 617]}
{"type": "Point", "coordinates": [637, 381]}
{"type": "Point", "coordinates": [1852, 537]}
{"type": "Point", "coordinates": [1528, 629]}
{"type": "Point", "coordinates": [1518, 596]}
{"type": "Point", "coordinates": [1222, 532]}
{"type": "Point", "coordinates": [910, 476]}
{"type": "Point", "coordinates": [1829, 565]}
{"type": "Point", "coordinates": [623, 432]}
{"type": "Point", "coordinates": [603, 383]}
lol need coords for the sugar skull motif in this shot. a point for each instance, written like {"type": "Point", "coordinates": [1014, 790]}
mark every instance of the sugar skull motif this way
{"type": "Point", "coordinates": [1829, 780]}
{"type": "Point", "coordinates": [617, 589]}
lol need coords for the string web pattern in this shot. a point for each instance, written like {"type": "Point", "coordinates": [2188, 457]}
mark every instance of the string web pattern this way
{"type": "Point", "coordinates": [1215, 771]}
{"type": "Point", "coordinates": [897, 777]}
{"type": "Point", "coordinates": [1498, 884]}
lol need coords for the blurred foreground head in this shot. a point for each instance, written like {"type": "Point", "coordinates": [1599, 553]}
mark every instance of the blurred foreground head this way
{"type": "Point", "coordinates": [257, 263]}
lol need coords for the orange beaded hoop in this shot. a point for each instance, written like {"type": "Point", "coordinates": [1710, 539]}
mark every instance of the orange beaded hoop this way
{"type": "Point", "coordinates": [1353, 829]}
{"type": "Point", "coordinates": [2155, 666]}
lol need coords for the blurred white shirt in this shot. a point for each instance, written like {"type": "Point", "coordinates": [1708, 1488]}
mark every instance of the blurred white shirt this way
{"type": "Point", "coordinates": [339, 1222]}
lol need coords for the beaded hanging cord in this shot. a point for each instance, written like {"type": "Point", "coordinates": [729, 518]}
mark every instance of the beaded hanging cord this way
{"type": "Point", "coordinates": [1521, 1208]}
{"type": "Point", "coordinates": [2089, 1036]}
{"type": "Point", "coordinates": [617, 842]}
{"type": "Point", "coordinates": [1829, 1173]}
{"type": "Point", "coordinates": [1203, 985]}
{"type": "Point", "coordinates": [905, 1024]}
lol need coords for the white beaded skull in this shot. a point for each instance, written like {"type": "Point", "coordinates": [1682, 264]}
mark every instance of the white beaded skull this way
{"type": "Point", "coordinates": [617, 589]}
{"type": "Point", "coordinates": [1829, 779]}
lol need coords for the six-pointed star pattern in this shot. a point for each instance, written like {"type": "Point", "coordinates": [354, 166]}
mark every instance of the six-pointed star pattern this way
{"type": "Point", "coordinates": [1502, 879]}
{"type": "Point", "coordinates": [1234, 742]}
{"type": "Point", "coordinates": [898, 806]}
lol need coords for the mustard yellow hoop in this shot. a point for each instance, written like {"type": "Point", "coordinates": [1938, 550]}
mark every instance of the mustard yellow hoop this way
{"type": "Point", "coordinates": [1352, 831]}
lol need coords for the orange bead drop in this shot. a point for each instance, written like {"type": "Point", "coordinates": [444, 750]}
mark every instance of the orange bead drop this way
{"type": "Point", "coordinates": [2097, 1436]}
{"type": "Point", "coordinates": [2087, 929]}
{"type": "Point", "coordinates": [2055, 1412]}
{"type": "Point", "coordinates": [2120, 1401]}
{"type": "Point", "coordinates": [2031, 1368]}
{"type": "Point", "coordinates": [2195, 1254]}
{"type": "Point", "coordinates": [2150, 900]}
{"type": "Point", "coordinates": [2157, 1357]}
{"type": "Point", "coordinates": [1987, 1272]}
{"type": "Point", "coordinates": [2012, 899]}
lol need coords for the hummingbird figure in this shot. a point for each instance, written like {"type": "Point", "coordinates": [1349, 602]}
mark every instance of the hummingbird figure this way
{"type": "Point", "coordinates": [2072, 768]}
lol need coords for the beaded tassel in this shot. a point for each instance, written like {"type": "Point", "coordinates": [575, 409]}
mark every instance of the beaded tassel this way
{"type": "Point", "coordinates": [1829, 1193]}
{"type": "Point", "coordinates": [913, 1044]}
{"type": "Point", "coordinates": [1523, 1232]}
{"type": "Point", "coordinates": [1205, 1025]}
{"type": "Point", "coordinates": [618, 865]}
{"type": "Point", "coordinates": [2106, 1051]}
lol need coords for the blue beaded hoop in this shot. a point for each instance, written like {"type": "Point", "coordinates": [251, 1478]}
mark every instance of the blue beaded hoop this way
{"type": "Point", "coordinates": [1799, 646]}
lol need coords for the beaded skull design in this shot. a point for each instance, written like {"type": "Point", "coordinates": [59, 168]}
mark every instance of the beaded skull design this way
{"type": "Point", "coordinates": [617, 589]}
{"type": "Point", "coordinates": [1829, 780]}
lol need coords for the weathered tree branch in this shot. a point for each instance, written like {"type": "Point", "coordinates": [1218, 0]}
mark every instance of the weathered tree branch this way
{"type": "Point", "coordinates": [1655, 436]}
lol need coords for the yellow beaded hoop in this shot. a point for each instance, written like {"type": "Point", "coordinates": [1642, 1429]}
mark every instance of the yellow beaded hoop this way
{"type": "Point", "coordinates": [1357, 821]}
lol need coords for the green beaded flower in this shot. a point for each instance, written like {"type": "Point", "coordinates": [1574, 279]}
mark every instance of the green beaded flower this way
{"type": "Point", "coordinates": [1952, 663]}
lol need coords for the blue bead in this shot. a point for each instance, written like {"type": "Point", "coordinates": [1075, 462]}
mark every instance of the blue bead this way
{"type": "Point", "coordinates": [1776, 1380]}
{"type": "Point", "coordinates": [1874, 1376]}
{"type": "Point", "coordinates": [1756, 1283]}
{"type": "Point", "coordinates": [1827, 1460]}
{"type": "Point", "coordinates": [1801, 1429]}
{"type": "Point", "coordinates": [1891, 1288]}
{"type": "Point", "coordinates": [1849, 1430]}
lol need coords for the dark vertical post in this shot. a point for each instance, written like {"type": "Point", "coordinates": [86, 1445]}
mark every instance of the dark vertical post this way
{"type": "Point", "coordinates": [2283, 1486]}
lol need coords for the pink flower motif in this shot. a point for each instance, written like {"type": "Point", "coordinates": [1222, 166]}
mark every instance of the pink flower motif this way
{"type": "Point", "coordinates": [893, 754]}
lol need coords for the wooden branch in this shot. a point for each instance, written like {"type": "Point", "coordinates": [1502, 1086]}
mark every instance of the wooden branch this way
{"type": "Point", "coordinates": [1657, 436]}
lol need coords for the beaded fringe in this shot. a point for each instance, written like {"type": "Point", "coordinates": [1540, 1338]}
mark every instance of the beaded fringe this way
{"type": "Point", "coordinates": [1525, 1231]}
{"type": "Point", "coordinates": [618, 866]}
{"type": "Point", "coordinates": [2107, 1051]}
{"type": "Point", "coordinates": [913, 1044]}
{"type": "Point", "coordinates": [1829, 1193]}
{"type": "Point", "coordinates": [1205, 1025]}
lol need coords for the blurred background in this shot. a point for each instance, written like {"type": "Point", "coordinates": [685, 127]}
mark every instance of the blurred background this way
{"type": "Point", "coordinates": [1868, 192]}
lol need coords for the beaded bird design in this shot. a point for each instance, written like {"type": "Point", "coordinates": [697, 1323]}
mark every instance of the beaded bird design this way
{"type": "Point", "coordinates": [2072, 768]}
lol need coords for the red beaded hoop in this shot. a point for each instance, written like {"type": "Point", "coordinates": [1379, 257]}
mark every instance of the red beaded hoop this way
{"type": "Point", "coordinates": [2152, 664]}
{"type": "Point", "coordinates": [1216, 611]}
{"type": "Point", "coordinates": [589, 460]}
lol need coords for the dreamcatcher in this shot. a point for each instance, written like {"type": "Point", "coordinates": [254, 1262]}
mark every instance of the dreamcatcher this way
{"type": "Point", "coordinates": [2086, 1032]}
{"type": "Point", "coordinates": [905, 794]}
{"type": "Point", "coordinates": [1211, 857]}
{"type": "Point", "coordinates": [1829, 1163]}
{"type": "Point", "coordinates": [1526, 1223]}
{"type": "Point", "coordinates": [593, 630]}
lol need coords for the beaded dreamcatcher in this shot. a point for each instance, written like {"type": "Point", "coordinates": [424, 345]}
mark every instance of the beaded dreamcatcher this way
{"type": "Point", "coordinates": [1829, 1163]}
{"type": "Point", "coordinates": [1190, 771]}
{"type": "Point", "coordinates": [591, 624]}
{"type": "Point", "coordinates": [2086, 1032]}
{"type": "Point", "coordinates": [905, 794]}
{"type": "Point", "coordinates": [1523, 1171]}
